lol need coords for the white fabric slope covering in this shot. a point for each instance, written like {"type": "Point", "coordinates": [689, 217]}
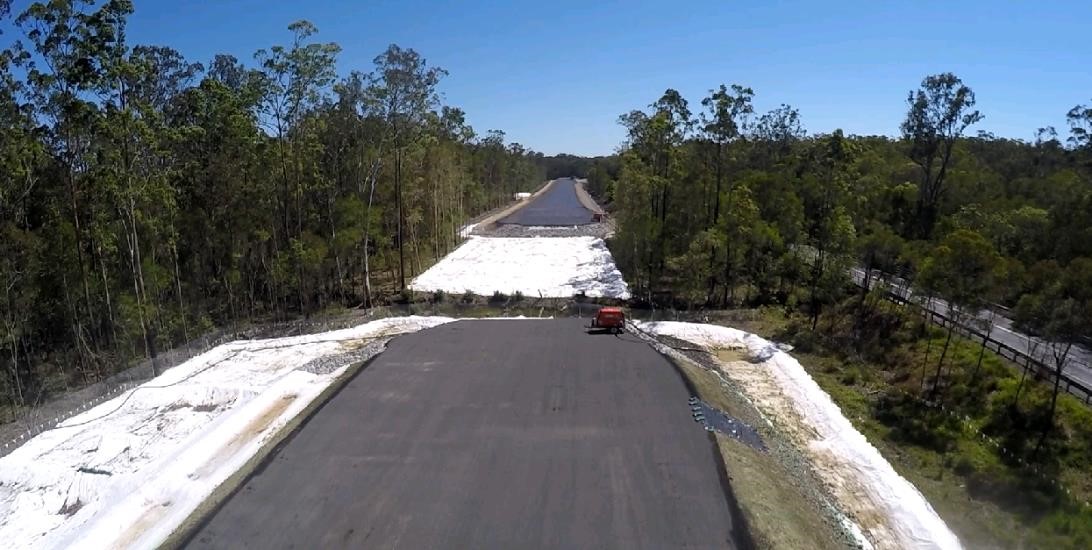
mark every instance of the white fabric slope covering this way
{"type": "Point", "coordinates": [556, 267]}
{"type": "Point", "coordinates": [889, 509]}
{"type": "Point", "coordinates": [124, 474]}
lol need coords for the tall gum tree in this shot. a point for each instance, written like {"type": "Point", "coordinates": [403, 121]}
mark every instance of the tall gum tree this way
{"type": "Point", "coordinates": [402, 93]}
{"type": "Point", "coordinates": [939, 112]}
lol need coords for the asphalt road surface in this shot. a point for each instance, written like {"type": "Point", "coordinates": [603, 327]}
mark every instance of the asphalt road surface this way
{"type": "Point", "coordinates": [1079, 362]}
{"type": "Point", "coordinates": [557, 206]}
{"type": "Point", "coordinates": [493, 434]}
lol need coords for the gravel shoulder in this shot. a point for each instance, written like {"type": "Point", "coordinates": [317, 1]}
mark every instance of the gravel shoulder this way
{"type": "Point", "coordinates": [585, 198]}
{"type": "Point", "coordinates": [602, 230]}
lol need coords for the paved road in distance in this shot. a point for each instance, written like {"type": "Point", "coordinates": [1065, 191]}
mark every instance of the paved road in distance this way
{"type": "Point", "coordinates": [559, 205]}
{"type": "Point", "coordinates": [1078, 363]}
{"type": "Point", "coordinates": [493, 434]}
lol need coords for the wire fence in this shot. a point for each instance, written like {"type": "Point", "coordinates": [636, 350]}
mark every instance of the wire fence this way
{"type": "Point", "coordinates": [56, 409]}
{"type": "Point", "coordinates": [60, 407]}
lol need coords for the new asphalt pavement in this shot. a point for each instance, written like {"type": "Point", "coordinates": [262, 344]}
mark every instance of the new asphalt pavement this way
{"type": "Point", "coordinates": [493, 434]}
{"type": "Point", "coordinates": [558, 206]}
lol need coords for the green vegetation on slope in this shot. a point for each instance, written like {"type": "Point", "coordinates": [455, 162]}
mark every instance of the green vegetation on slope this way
{"type": "Point", "coordinates": [717, 207]}
{"type": "Point", "coordinates": [972, 453]}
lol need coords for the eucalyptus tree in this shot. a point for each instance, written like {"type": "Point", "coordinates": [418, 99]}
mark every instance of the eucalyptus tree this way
{"type": "Point", "coordinates": [1080, 126]}
{"type": "Point", "coordinates": [830, 171]}
{"type": "Point", "coordinates": [1060, 312]}
{"type": "Point", "coordinates": [21, 154]}
{"type": "Point", "coordinates": [294, 81]}
{"type": "Point", "coordinates": [964, 269]}
{"type": "Point", "coordinates": [723, 122]}
{"type": "Point", "coordinates": [69, 46]}
{"type": "Point", "coordinates": [402, 92]}
{"type": "Point", "coordinates": [939, 112]}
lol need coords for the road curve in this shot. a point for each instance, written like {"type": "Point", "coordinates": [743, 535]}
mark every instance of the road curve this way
{"type": "Point", "coordinates": [493, 434]}
{"type": "Point", "coordinates": [559, 205]}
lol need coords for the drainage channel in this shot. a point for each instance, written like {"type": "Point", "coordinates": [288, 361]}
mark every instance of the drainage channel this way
{"type": "Point", "coordinates": [713, 419]}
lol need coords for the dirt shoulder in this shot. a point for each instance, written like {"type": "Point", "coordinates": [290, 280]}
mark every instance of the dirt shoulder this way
{"type": "Point", "coordinates": [782, 501]}
{"type": "Point", "coordinates": [585, 198]}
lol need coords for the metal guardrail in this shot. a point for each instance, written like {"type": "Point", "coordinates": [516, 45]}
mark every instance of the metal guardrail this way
{"type": "Point", "coordinates": [1038, 368]}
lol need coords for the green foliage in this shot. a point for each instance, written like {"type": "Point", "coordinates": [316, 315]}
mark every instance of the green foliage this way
{"type": "Point", "coordinates": [981, 440]}
{"type": "Point", "coordinates": [963, 269]}
{"type": "Point", "coordinates": [145, 199]}
{"type": "Point", "coordinates": [940, 111]}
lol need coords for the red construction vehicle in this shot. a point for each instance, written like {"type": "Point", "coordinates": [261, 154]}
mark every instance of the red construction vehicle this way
{"type": "Point", "coordinates": [610, 318]}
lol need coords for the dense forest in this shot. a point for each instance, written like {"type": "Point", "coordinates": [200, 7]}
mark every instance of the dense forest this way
{"type": "Point", "coordinates": [719, 202]}
{"type": "Point", "coordinates": [145, 198]}
{"type": "Point", "coordinates": [719, 207]}
{"type": "Point", "coordinates": [722, 207]}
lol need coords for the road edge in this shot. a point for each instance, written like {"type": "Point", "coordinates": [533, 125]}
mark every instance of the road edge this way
{"type": "Point", "coordinates": [586, 199]}
{"type": "Point", "coordinates": [223, 492]}
{"type": "Point", "coordinates": [742, 534]}
{"type": "Point", "coordinates": [487, 223]}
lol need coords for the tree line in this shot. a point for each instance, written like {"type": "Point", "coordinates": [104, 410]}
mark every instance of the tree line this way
{"type": "Point", "coordinates": [145, 198]}
{"type": "Point", "coordinates": [719, 206]}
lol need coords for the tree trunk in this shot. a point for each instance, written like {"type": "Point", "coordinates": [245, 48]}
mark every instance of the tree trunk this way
{"type": "Point", "coordinates": [940, 363]}
{"type": "Point", "coordinates": [712, 223]}
{"type": "Point", "coordinates": [337, 254]}
{"type": "Point", "coordinates": [728, 282]}
{"type": "Point", "coordinates": [109, 301]}
{"type": "Point", "coordinates": [926, 320]}
{"type": "Point", "coordinates": [398, 232]}
{"type": "Point", "coordinates": [372, 178]}
{"type": "Point", "coordinates": [1059, 368]}
{"type": "Point", "coordinates": [982, 350]}
{"type": "Point", "coordinates": [18, 386]}
{"type": "Point", "coordinates": [78, 243]}
{"type": "Point", "coordinates": [1032, 346]}
{"type": "Point", "coordinates": [178, 291]}
{"type": "Point", "coordinates": [132, 240]}
{"type": "Point", "coordinates": [817, 275]}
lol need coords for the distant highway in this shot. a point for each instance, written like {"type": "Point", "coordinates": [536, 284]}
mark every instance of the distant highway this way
{"type": "Point", "coordinates": [558, 206]}
{"type": "Point", "coordinates": [1079, 363]}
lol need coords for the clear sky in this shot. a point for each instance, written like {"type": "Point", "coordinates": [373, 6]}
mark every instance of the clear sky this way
{"type": "Point", "coordinates": [555, 75]}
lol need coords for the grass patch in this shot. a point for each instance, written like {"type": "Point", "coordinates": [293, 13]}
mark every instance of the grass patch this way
{"type": "Point", "coordinates": [972, 459]}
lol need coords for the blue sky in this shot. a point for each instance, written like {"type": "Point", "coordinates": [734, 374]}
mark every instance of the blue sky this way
{"type": "Point", "coordinates": [556, 75]}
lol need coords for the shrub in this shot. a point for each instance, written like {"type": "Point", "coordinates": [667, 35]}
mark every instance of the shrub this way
{"type": "Point", "coordinates": [498, 297]}
{"type": "Point", "coordinates": [438, 296]}
{"type": "Point", "coordinates": [468, 297]}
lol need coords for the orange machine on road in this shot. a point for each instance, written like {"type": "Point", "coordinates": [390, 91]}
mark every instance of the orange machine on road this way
{"type": "Point", "coordinates": [611, 318]}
